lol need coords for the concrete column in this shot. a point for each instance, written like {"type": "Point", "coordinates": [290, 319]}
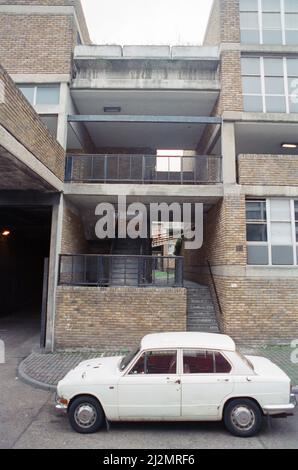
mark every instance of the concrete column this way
{"type": "Point", "coordinates": [228, 153]}
{"type": "Point", "coordinates": [62, 116]}
{"type": "Point", "coordinates": [55, 250]}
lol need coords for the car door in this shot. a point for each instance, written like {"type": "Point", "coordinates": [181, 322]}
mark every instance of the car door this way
{"type": "Point", "coordinates": [151, 388]}
{"type": "Point", "coordinates": [206, 382]}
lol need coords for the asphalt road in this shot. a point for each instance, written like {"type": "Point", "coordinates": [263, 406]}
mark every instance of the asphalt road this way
{"type": "Point", "coordinates": [28, 418]}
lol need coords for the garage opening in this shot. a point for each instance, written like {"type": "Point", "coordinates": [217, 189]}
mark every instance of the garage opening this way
{"type": "Point", "coordinates": [24, 248]}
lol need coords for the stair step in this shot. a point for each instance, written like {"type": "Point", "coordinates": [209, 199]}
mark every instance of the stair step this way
{"type": "Point", "coordinates": [201, 314]}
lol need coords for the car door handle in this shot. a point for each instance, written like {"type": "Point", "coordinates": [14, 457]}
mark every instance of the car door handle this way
{"type": "Point", "coordinates": [176, 382]}
{"type": "Point", "coordinates": [223, 380]}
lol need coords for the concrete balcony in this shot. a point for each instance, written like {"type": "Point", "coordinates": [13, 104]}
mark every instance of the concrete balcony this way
{"type": "Point", "coordinates": [151, 67]}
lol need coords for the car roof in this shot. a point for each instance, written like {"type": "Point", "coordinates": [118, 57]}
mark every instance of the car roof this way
{"type": "Point", "coordinates": [188, 340]}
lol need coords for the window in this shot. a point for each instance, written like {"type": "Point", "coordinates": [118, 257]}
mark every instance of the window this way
{"type": "Point", "coordinates": [270, 84]}
{"type": "Point", "coordinates": [269, 21]}
{"type": "Point", "coordinates": [156, 362]}
{"type": "Point", "coordinates": [272, 227]}
{"type": "Point", "coordinates": [256, 232]}
{"type": "Point", "coordinates": [41, 94]}
{"type": "Point", "coordinates": [205, 362]}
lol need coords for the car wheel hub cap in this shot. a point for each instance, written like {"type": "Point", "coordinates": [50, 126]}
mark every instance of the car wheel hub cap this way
{"type": "Point", "coordinates": [85, 415]}
{"type": "Point", "coordinates": [243, 418]}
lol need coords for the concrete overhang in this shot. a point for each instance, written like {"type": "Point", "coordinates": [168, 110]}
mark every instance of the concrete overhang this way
{"type": "Point", "coordinates": [146, 67]}
{"type": "Point", "coordinates": [135, 103]}
{"type": "Point", "coordinates": [20, 169]}
{"type": "Point", "coordinates": [258, 133]}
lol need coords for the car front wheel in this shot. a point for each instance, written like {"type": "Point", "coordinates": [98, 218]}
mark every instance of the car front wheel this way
{"type": "Point", "coordinates": [86, 415]}
{"type": "Point", "coordinates": [243, 417]}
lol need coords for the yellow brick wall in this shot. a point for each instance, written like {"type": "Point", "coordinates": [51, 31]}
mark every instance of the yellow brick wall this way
{"type": "Point", "coordinates": [265, 170]}
{"type": "Point", "coordinates": [40, 43]}
{"type": "Point", "coordinates": [73, 236]}
{"type": "Point", "coordinates": [259, 309]}
{"type": "Point", "coordinates": [113, 318]}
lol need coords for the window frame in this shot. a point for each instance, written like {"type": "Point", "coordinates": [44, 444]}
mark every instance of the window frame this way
{"type": "Point", "coordinates": [129, 368]}
{"type": "Point", "coordinates": [213, 374]}
{"type": "Point", "coordinates": [283, 13]}
{"type": "Point", "coordinates": [35, 87]}
{"type": "Point", "coordinates": [269, 223]}
{"type": "Point", "coordinates": [287, 94]}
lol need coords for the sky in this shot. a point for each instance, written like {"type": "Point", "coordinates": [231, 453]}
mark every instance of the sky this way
{"type": "Point", "coordinates": [152, 22]}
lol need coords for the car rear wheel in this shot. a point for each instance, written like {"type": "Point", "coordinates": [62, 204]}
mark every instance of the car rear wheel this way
{"type": "Point", "coordinates": [243, 417]}
{"type": "Point", "coordinates": [86, 415]}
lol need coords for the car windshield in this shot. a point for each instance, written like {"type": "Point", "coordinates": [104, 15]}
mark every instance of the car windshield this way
{"type": "Point", "coordinates": [127, 359]}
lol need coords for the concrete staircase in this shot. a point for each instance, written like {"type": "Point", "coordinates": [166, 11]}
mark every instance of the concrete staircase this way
{"type": "Point", "coordinates": [125, 270]}
{"type": "Point", "coordinates": [201, 314]}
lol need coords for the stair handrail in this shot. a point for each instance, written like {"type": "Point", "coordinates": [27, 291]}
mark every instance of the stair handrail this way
{"type": "Point", "coordinates": [214, 287]}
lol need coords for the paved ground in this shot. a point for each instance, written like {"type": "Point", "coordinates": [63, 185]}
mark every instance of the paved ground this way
{"type": "Point", "coordinates": [28, 418]}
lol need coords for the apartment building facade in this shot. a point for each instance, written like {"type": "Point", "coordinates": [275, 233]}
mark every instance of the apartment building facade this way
{"type": "Point", "coordinates": [215, 125]}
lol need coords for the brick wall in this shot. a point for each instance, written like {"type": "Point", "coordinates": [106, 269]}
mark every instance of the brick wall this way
{"type": "Point", "coordinates": [224, 23]}
{"type": "Point", "coordinates": [40, 43]}
{"type": "Point", "coordinates": [259, 309]}
{"type": "Point", "coordinates": [108, 318]}
{"type": "Point", "coordinates": [275, 170]}
{"type": "Point", "coordinates": [20, 120]}
{"type": "Point", "coordinates": [73, 236]}
{"type": "Point", "coordinates": [224, 237]}
{"type": "Point", "coordinates": [213, 31]}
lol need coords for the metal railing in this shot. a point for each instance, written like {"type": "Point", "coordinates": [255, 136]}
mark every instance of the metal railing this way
{"type": "Point", "coordinates": [143, 169]}
{"type": "Point", "coordinates": [118, 270]}
{"type": "Point", "coordinates": [214, 288]}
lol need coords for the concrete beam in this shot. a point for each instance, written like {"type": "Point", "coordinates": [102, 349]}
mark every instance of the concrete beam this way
{"type": "Point", "coordinates": [142, 190]}
{"type": "Point", "coordinates": [145, 119]}
{"type": "Point", "coordinates": [271, 118]}
{"type": "Point", "coordinates": [270, 191]}
{"type": "Point", "coordinates": [28, 198]}
{"type": "Point", "coordinates": [40, 78]}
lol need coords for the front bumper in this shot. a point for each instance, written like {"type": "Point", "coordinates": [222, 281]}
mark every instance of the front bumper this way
{"type": "Point", "coordinates": [286, 410]}
{"type": "Point", "coordinates": [60, 406]}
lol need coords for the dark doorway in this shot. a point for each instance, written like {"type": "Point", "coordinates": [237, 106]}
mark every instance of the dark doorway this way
{"type": "Point", "coordinates": [24, 245]}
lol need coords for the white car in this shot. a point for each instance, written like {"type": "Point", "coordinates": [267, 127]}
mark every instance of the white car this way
{"type": "Point", "coordinates": [177, 377]}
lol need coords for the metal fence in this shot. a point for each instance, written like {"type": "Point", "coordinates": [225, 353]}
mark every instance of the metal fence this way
{"type": "Point", "coordinates": [116, 270]}
{"type": "Point", "coordinates": [143, 169]}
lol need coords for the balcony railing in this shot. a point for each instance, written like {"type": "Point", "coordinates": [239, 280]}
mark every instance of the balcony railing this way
{"type": "Point", "coordinates": [143, 169]}
{"type": "Point", "coordinates": [115, 270]}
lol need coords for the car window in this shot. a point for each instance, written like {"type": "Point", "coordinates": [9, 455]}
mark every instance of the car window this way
{"type": "Point", "coordinates": [222, 366]}
{"type": "Point", "coordinates": [198, 362]}
{"type": "Point", "coordinates": [205, 362]}
{"type": "Point", "coordinates": [156, 362]}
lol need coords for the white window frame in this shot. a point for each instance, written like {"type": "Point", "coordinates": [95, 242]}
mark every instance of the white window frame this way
{"type": "Point", "coordinates": [268, 244]}
{"type": "Point", "coordinates": [262, 76]}
{"type": "Point", "coordinates": [260, 28]}
{"type": "Point", "coordinates": [35, 87]}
